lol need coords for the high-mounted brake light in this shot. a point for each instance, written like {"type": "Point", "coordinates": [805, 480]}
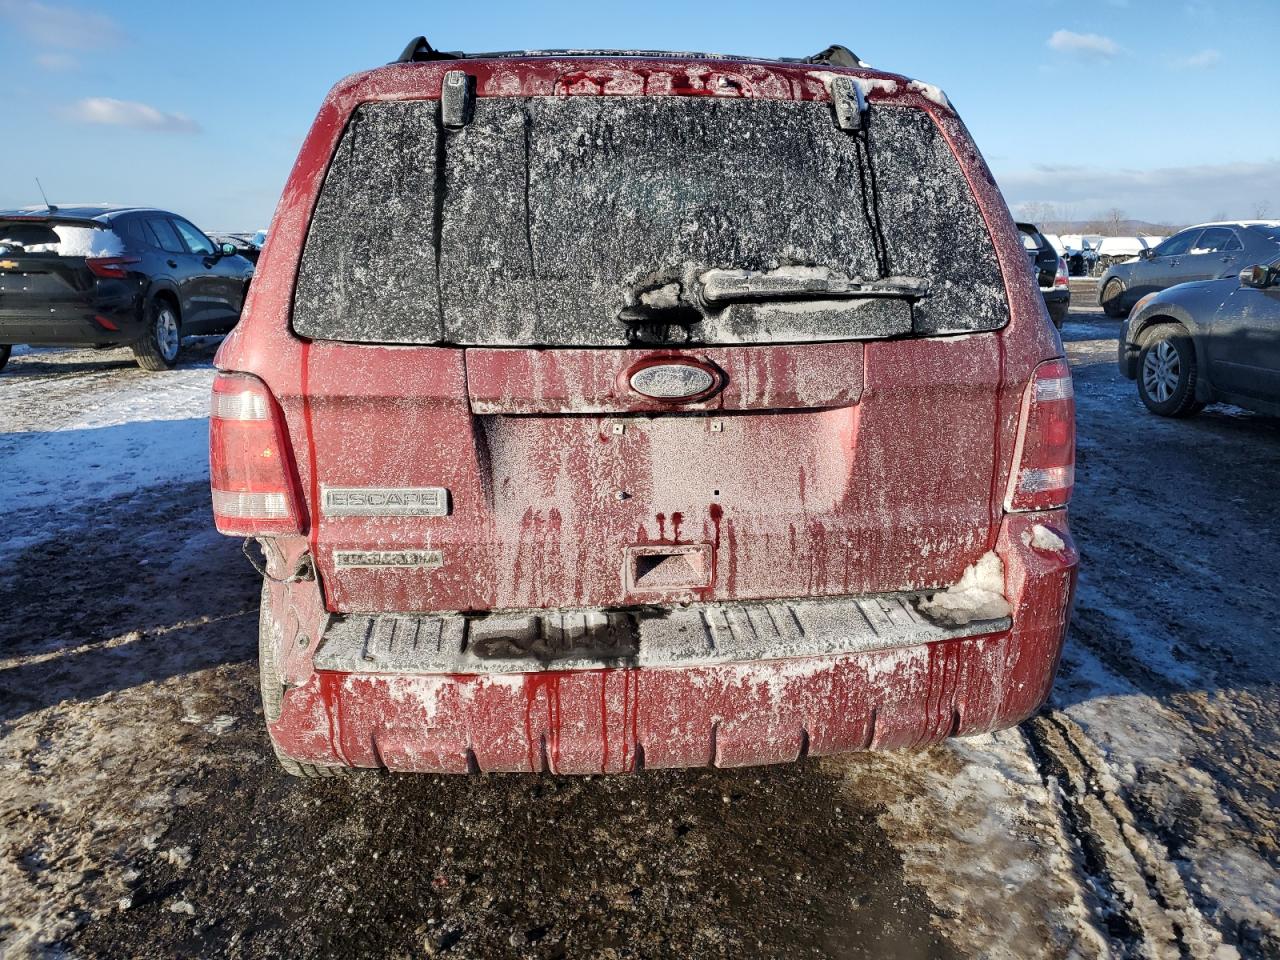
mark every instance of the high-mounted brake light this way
{"type": "Point", "coordinates": [255, 487]}
{"type": "Point", "coordinates": [1046, 454]}
{"type": "Point", "coordinates": [113, 267]}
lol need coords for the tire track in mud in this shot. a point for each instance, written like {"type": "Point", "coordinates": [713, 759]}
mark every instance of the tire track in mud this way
{"type": "Point", "coordinates": [1171, 635]}
{"type": "Point", "coordinates": [1149, 912]}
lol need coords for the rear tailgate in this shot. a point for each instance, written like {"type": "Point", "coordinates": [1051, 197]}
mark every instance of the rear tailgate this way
{"type": "Point", "coordinates": [819, 470]}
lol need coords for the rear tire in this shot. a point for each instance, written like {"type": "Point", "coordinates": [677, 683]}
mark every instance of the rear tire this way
{"type": "Point", "coordinates": [5, 350]}
{"type": "Point", "coordinates": [160, 346]}
{"type": "Point", "coordinates": [1110, 300]}
{"type": "Point", "coordinates": [272, 689]}
{"type": "Point", "coordinates": [1167, 372]}
{"type": "Point", "coordinates": [309, 771]}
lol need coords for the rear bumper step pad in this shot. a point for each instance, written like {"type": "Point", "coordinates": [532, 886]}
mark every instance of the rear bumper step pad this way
{"type": "Point", "coordinates": [690, 636]}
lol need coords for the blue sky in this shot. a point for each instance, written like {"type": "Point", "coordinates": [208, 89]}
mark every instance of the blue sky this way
{"type": "Point", "coordinates": [1163, 108]}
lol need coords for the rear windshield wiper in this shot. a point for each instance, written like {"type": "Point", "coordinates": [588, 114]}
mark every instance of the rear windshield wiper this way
{"type": "Point", "coordinates": [802, 283]}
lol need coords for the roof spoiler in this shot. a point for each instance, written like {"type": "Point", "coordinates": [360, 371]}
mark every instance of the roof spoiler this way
{"type": "Point", "coordinates": [420, 51]}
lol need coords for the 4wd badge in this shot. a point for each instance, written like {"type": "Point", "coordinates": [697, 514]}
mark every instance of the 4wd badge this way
{"type": "Point", "coordinates": [384, 501]}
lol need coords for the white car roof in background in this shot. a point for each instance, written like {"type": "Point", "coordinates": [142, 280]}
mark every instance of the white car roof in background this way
{"type": "Point", "coordinates": [1237, 223]}
{"type": "Point", "coordinates": [1120, 246]}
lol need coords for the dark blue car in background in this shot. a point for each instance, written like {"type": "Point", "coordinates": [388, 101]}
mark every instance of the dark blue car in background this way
{"type": "Point", "coordinates": [114, 276]}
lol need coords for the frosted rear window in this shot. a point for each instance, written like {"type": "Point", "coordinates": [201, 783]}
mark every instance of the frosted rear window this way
{"type": "Point", "coordinates": [538, 222]}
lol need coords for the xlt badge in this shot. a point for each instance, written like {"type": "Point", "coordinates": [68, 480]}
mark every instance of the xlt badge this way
{"type": "Point", "coordinates": [384, 501]}
{"type": "Point", "coordinates": [375, 559]}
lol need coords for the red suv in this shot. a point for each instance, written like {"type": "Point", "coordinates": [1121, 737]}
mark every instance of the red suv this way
{"type": "Point", "coordinates": [603, 410]}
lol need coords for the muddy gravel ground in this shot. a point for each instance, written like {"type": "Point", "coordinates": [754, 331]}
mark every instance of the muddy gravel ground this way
{"type": "Point", "coordinates": [142, 815]}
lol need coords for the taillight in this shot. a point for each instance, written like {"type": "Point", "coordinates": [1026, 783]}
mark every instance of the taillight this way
{"type": "Point", "coordinates": [1046, 454]}
{"type": "Point", "coordinates": [1063, 279]}
{"type": "Point", "coordinates": [113, 267]}
{"type": "Point", "coordinates": [255, 487]}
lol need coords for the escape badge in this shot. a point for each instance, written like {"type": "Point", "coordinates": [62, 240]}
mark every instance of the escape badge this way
{"type": "Point", "coordinates": [384, 501]}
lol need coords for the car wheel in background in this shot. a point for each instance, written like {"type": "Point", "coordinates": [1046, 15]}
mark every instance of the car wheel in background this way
{"type": "Point", "coordinates": [160, 345]}
{"type": "Point", "coordinates": [1058, 314]}
{"type": "Point", "coordinates": [5, 350]}
{"type": "Point", "coordinates": [1110, 299]}
{"type": "Point", "coordinates": [1167, 372]}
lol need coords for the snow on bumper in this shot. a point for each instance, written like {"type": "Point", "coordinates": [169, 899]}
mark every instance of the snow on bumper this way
{"type": "Point", "coordinates": [733, 713]}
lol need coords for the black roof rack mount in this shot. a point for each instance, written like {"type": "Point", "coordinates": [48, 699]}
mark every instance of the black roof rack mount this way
{"type": "Point", "coordinates": [420, 51]}
{"type": "Point", "coordinates": [836, 56]}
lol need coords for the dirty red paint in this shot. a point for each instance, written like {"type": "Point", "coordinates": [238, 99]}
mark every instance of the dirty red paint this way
{"type": "Point", "coordinates": [604, 721]}
{"type": "Point", "coordinates": [542, 699]}
{"type": "Point", "coordinates": [308, 429]}
{"type": "Point", "coordinates": [330, 693]}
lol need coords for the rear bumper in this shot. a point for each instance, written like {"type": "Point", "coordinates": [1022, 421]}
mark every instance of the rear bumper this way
{"type": "Point", "coordinates": [69, 323]}
{"type": "Point", "coordinates": [1058, 302]}
{"type": "Point", "coordinates": [699, 711]}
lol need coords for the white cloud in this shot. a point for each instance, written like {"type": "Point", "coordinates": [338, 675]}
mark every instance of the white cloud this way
{"type": "Point", "coordinates": [1201, 60]}
{"type": "Point", "coordinates": [130, 113]}
{"type": "Point", "coordinates": [1168, 194]}
{"type": "Point", "coordinates": [1091, 45]}
{"type": "Point", "coordinates": [65, 28]}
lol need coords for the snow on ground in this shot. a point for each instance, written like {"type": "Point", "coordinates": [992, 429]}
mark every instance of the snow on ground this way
{"type": "Point", "coordinates": [66, 441]}
{"type": "Point", "coordinates": [104, 465]}
{"type": "Point", "coordinates": [981, 831]}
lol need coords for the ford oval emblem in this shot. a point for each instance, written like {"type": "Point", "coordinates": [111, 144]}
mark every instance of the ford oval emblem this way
{"type": "Point", "coordinates": [678, 380]}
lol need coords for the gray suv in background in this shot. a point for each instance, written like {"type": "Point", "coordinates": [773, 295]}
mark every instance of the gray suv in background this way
{"type": "Point", "coordinates": [1208, 251]}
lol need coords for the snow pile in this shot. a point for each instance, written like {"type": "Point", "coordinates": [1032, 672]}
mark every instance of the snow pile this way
{"type": "Point", "coordinates": [1042, 538]}
{"type": "Point", "coordinates": [978, 595]}
{"type": "Point", "coordinates": [81, 242]}
{"type": "Point", "coordinates": [930, 92]}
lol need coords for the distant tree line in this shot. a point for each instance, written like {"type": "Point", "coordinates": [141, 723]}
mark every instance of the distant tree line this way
{"type": "Point", "coordinates": [1114, 222]}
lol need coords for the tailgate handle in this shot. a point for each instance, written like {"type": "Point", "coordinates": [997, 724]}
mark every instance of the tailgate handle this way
{"type": "Point", "coordinates": [669, 566]}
